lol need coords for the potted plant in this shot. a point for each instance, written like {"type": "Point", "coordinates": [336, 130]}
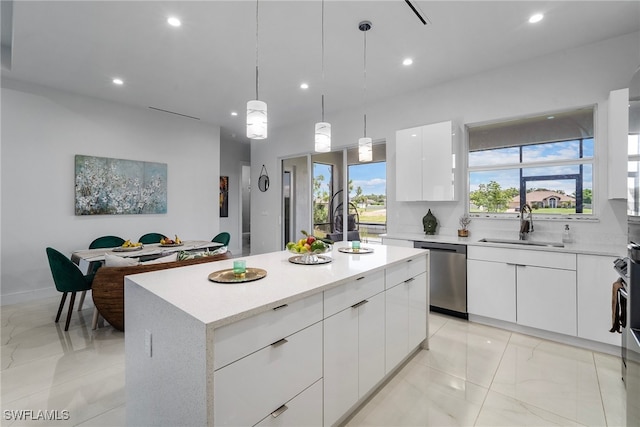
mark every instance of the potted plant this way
{"type": "Point", "coordinates": [464, 221]}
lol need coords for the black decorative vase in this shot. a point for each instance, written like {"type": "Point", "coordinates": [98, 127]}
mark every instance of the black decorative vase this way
{"type": "Point", "coordinates": [429, 222]}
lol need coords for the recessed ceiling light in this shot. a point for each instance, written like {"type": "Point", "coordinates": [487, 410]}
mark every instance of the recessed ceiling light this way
{"type": "Point", "coordinates": [173, 21]}
{"type": "Point", "coordinates": [234, 113]}
{"type": "Point", "coordinates": [304, 86]}
{"type": "Point", "coordinates": [413, 135]}
{"type": "Point", "coordinates": [536, 18]}
{"type": "Point", "coordinates": [118, 81]}
{"type": "Point", "coordinates": [551, 117]}
{"type": "Point", "coordinates": [407, 61]}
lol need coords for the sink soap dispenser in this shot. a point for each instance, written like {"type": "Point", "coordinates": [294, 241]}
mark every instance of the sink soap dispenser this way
{"type": "Point", "coordinates": [566, 236]}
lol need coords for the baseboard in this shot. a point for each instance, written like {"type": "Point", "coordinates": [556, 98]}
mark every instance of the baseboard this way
{"type": "Point", "coordinates": [551, 336]}
{"type": "Point", "coordinates": [33, 295]}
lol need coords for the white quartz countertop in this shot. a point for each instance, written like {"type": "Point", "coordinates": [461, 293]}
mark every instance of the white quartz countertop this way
{"type": "Point", "coordinates": [599, 248]}
{"type": "Point", "coordinates": [217, 304]}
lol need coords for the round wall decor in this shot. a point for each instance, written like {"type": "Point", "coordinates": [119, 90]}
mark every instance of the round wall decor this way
{"type": "Point", "coordinates": [263, 180]}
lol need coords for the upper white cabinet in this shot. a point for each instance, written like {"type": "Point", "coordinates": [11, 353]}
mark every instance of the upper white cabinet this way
{"type": "Point", "coordinates": [425, 163]}
{"type": "Point", "coordinates": [617, 144]}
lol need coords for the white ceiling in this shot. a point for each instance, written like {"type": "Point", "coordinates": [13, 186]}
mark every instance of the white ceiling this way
{"type": "Point", "coordinates": [206, 68]}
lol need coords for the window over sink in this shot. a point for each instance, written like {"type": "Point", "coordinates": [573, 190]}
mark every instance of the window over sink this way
{"type": "Point", "coordinates": [545, 161]}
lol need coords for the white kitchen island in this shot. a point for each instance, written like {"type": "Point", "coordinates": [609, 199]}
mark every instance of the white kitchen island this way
{"type": "Point", "coordinates": [306, 345]}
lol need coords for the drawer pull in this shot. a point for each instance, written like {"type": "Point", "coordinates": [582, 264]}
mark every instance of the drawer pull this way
{"type": "Point", "coordinates": [409, 260]}
{"type": "Point", "coordinates": [279, 411]}
{"type": "Point", "coordinates": [410, 280]}
{"type": "Point", "coordinates": [361, 303]}
{"type": "Point", "coordinates": [280, 306]}
{"type": "Point", "coordinates": [360, 278]}
{"type": "Point", "coordinates": [279, 342]}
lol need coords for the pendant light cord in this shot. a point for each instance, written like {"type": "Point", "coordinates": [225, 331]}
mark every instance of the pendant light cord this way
{"type": "Point", "coordinates": [322, 36]}
{"type": "Point", "coordinates": [365, 84]}
{"type": "Point", "coordinates": [257, 75]}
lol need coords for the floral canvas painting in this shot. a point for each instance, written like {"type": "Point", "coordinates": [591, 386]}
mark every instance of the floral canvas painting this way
{"type": "Point", "coordinates": [105, 186]}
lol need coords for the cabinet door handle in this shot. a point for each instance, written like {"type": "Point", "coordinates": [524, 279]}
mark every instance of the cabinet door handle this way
{"type": "Point", "coordinates": [361, 303]}
{"type": "Point", "coordinates": [279, 342]}
{"type": "Point", "coordinates": [279, 411]}
{"type": "Point", "coordinates": [360, 278]}
{"type": "Point", "coordinates": [280, 306]}
{"type": "Point", "coordinates": [409, 260]}
{"type": "Point", "coordinates": [410, 280]}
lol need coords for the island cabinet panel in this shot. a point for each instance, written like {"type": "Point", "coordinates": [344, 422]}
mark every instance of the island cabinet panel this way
{"type": "Point", "coordinates": [245, 336]}
{"type": "Point", "coordinates": [399, 273]}
{"type": "Point", "coordinates": [405, 326]}
{"type": "Point", "coordinates": [353, 344]}
{"type": "Point", "coordinates": [258, 384]}
{"type": "Point", "coordinates": [301, 411]}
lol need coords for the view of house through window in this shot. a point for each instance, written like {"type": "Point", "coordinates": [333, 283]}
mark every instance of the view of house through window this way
{"type": "Point", "coordinates": [545, 162]}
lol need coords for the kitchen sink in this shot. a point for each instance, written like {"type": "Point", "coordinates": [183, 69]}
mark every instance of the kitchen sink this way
{"type": "Point", "coordinates": [523, 242]}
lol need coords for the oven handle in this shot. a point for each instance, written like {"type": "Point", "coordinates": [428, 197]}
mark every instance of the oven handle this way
{"type": "Point", "coordinates": [623, 292]}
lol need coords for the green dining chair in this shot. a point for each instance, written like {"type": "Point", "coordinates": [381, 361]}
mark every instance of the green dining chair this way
{"type": "Point", "coordinates": [67, 278]}
{"type": "Point", "coordinates": [151, 238]}
{"type": "Point", "coordinates": [106, 242]}
{"type": "Point", "coordinates": [223, 238]}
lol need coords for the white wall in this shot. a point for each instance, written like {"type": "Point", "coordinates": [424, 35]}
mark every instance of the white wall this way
{"type": "Point", "coordinates": [233, 155]}
{"type": "Point", "coordinates": [566, 79]}
{"type": "Point", "coordinates": [43, 129]}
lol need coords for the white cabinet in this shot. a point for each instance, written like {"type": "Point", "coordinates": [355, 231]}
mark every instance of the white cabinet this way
{"type": "Point", "coordinates": [353, 346]}
{"type": "Point", "coordinates": [546, 299]}
{"type": "Point", "coordinates": [425, 163]}
{"type": "Point", "coordinates": [531, 288]}
{"type": "Point", "coordinates": [491, 290]}
{"type": "Point", "coordinates": [617, 143]}
{"type": "Point", "coordinates": [397, 242]}
{"type": "Point", "coordinates": [301, 411]}
{"type": "Point", "coordinates": [595, 279]}
{"type": "Point", "coordinates": [406, 302]}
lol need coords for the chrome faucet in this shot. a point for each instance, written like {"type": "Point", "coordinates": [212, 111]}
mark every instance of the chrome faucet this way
{"type": "Point", "coordinates": [526, 224]}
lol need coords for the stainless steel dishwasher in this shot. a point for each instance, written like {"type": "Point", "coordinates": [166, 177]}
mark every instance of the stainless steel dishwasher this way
{"type": "Point", "coordinates": [447, 277]}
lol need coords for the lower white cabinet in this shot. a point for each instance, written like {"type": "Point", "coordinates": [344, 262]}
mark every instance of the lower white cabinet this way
{"type": "Point", "coordinates": [528, 287]}
{"type": "Point", "coordinates": [301, 411]}
{"type": "Point", "coordinates": [595, 279]}
{"type": "Point", "coordinates": [491, 290]}
{"type": "Point", "coordinates": [406, 313]}
{"type": "Point", "coordinates": [546, 299]}
{"type": "Point", "coordinates": [251, 388]}
{"type": "Point", "coordinates": [353, 355]}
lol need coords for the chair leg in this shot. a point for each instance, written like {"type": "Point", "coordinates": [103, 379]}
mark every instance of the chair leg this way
{"type": "Point", "coordinates": [84, 293]}
{"type": "Point", "coordinates": [73, 300]}
{"type": "Point", "coordinates": [94, 321]}
{"type": "Point", "coordinates": [64, 298]}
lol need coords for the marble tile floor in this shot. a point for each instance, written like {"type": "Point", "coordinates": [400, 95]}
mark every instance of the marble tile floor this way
{"type": "Point", "coordinates": [472, 375]}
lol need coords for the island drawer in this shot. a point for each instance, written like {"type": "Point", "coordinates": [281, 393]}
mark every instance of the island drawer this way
{"type": "Point", "coordinates": [254, 386]}
{"type": "Point", "coordinates": [358, 290]}
{"type": "Point", "coordinates": [303, 410]}
{"type": "Point", "coordinates": [402, 272]}
{"type": "Point", "coordinates": [236, 340]}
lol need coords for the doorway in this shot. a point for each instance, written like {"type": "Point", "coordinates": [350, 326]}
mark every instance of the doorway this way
{"type": "Point", "coordinates": [245, 208]}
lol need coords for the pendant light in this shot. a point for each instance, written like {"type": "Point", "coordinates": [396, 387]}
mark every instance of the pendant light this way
{"type": "Point", "coordinates": [365, 145]}
{"type": "Point", "coordinates": [256, 109]}
{"type": "Point", "coordinates": [323, 129]}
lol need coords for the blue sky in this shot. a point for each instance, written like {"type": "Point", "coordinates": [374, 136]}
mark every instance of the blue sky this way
{"type": "Point", "coordinates": [371, 177]}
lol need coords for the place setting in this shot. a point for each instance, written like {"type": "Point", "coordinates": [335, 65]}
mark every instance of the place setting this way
{"type": "Point", "coordinates": [355, 248]}
{"type": "Point", "coordinates": [240, 273]}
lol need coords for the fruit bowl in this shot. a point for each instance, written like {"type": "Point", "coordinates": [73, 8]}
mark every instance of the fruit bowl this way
{"type": "Point", "coordinates": [308, 250]}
